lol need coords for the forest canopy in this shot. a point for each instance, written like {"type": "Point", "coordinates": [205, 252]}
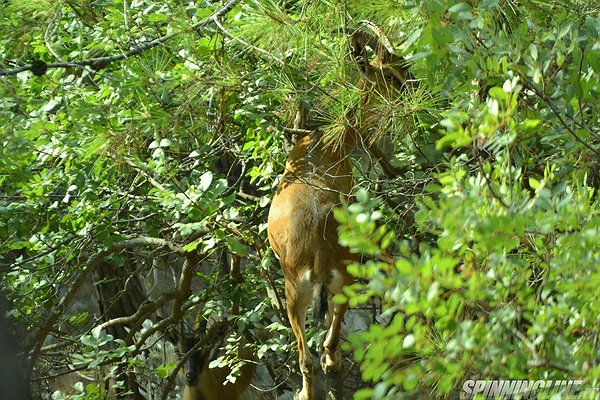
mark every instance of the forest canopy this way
{"type": "Point", "coordinates": [141, 143]}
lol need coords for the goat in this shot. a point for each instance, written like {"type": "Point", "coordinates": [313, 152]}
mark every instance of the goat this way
{"type": "Point", "coordinates": [205, 383]}
{"type": "Point", "coordinates": [301, 227]}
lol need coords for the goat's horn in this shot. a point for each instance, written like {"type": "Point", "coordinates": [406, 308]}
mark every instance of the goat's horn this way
{"type": "Point", "coordinates": [383, 40]}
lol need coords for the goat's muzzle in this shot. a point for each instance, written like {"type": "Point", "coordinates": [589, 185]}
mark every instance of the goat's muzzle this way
{"type": "Point", "coordinates": [191, 378]}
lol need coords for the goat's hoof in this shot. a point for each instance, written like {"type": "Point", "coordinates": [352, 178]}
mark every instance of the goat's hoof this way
{"type": "Point", "coordinates": [303, 395]}
{"type": "Point", "coordinates": [331, 362]}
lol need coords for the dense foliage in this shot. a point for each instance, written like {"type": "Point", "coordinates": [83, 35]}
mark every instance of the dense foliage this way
{"type": "Point", "coordinates": [146, 136]}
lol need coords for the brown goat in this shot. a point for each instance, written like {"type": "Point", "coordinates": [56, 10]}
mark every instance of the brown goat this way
{"type": "Point", "coordinates": [205, 383]}
{"type": "Point", "coordinates": [301, 228]}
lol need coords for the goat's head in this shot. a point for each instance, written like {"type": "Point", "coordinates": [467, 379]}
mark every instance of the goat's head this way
{"type": "Point", "coordinates": [197, 360]}
{"type": "Point", "coordinates": [384, 76]}
{"type": "Point", "coordinates": [385, 73]}
{"type": "Point", "coordinates": [205, 383]}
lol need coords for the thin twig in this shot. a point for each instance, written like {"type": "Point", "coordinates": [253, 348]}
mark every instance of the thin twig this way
{"type": "Point", "coordinates": [248, 45]}
{"type": "Point", "coordinates": [50, 31]}
{"type": "Point", "coordinates": [39, 336]}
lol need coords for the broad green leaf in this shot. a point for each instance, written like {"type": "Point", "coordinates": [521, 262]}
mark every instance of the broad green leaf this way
{"type": "Point", "coordinates": [205, 181]}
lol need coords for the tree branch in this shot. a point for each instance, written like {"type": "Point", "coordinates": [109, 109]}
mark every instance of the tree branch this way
{"type": "Point", "coordinates": [118, 57]}
{"type": "Point", "coordinates": [217, 330]}
{"type": "Point", "coordinates": [39, 336]}
{"type": "Point", "coordinates": [145, 310]}
{"type": "Point", "coordinates": [183, 292]}
{"type": "Point", "coordinates": [555, 110]}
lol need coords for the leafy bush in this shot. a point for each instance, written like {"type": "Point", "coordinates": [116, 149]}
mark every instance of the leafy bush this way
{"type": "Point", "coordinates": [481, 237]}
{"type": "Point", "coordinates": [505, 283]}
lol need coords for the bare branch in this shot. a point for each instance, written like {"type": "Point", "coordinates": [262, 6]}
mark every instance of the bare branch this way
{"type": "Point", "coordinates": [145, 310]}
{"type": "Point", "coordinates": [216, 330]}
{"type": "Point", "coordinates": [39, 335]}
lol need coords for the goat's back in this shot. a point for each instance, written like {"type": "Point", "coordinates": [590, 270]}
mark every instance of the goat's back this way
{"type": "Point", "coordinates": [301, 226]}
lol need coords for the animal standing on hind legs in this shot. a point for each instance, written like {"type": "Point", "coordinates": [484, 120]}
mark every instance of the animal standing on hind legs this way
{"type": "Point", "coordinates": [317, 178]}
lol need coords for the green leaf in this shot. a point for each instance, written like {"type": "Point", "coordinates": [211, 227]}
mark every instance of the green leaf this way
{"type": "Point", "coordinates": [533, 50]}
{"type": "Point", "coordinates": [165, 143]}
{"type": "Point", "coordinates": [52, 104]}
{"type": "Point", "coordinates": [499, 94]}
{"type": "Point", "coordinates": [204, 12]}
{"type": "Point", "coordinates": [418, 56]}
{"type": "Point", "coordinates": [92, 388]}
{"type": "Point", "coordinates": [362, 195]}
{"type": "Point", "coordinates": [203, 46]}
{"type": "Point", "coordinates": [205, 181]}
{"type": "Point", "coordinates": [565, 29]}
{"type": "Point", "coordinates": [529, 124]}
{"type": "Point", "coordinates": [236, 246]}
{"type": "Point", "coordinates": [462, 6]}
{"type": "Point", "coordinates": [454, 139]}
{"type": "Point", "coordinates": [534, 183]}
{"type": "Point", "coordinates": [164, 370]}
{"type": "Point", "coordinates": [410, 382]}
{"type": "Point", "coordinates": [192, 246]}
{"type": "Point", "coordinates": [403, 266]}
{"type": "Point", "coordinates": [411, 39]}
{"type": "Point", "coordinates": [155, 17]}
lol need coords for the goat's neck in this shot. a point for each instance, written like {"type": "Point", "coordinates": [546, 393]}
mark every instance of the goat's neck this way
{"type": "Point", "coordinates": [322, 165]}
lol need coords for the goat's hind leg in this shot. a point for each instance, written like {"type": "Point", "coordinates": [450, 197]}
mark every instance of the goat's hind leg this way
{"type": "Point", "coordinates": [297, 303]}
{"type": "Point", "coordinates": [331, 361]}
{"type": "Point", "coordinates": [332, 357]}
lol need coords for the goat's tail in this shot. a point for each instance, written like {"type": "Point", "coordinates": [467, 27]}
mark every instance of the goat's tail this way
{"type": "Point", "coordinates": [320, 307]}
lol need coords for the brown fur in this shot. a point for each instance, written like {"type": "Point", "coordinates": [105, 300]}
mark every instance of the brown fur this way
{"type": "Point", "coordinates": [211, 383]}
{"type": "Point", "coordinates": [301, 228]}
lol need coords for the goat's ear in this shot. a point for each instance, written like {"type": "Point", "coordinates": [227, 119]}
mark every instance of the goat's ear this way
{"type": "Point", "coordinates": [360, 40]}
{"type": "Point", "coordinates": [385, 56]}
{"type": "Point", "coordinates": [358, 51]}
